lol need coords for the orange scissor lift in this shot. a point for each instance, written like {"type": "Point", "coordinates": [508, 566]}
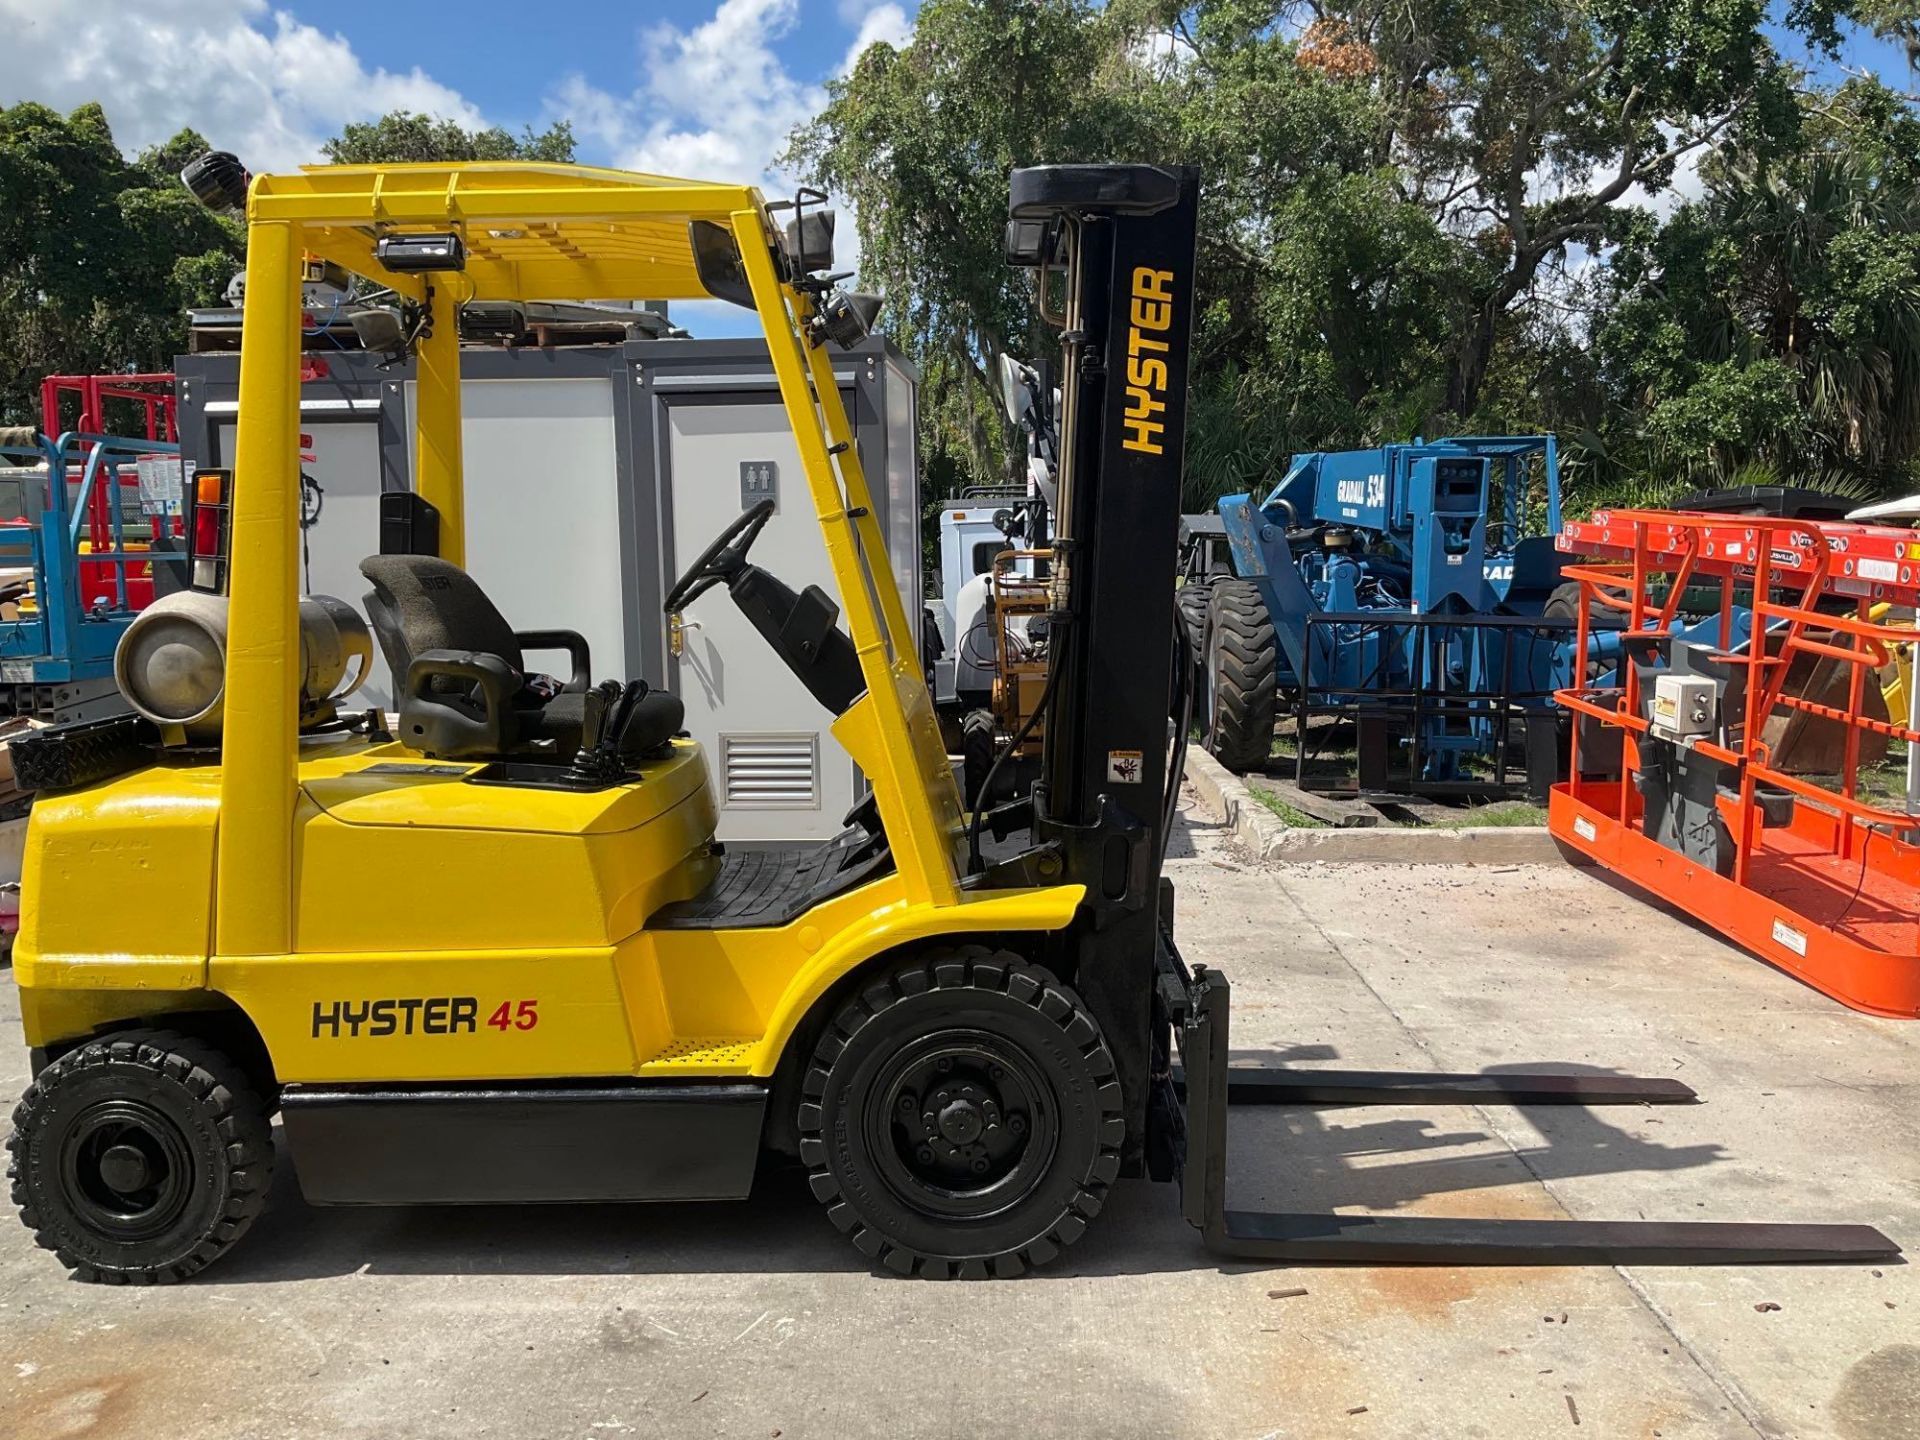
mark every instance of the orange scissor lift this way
{"type": "Point", "coordinates": [1801, 870]}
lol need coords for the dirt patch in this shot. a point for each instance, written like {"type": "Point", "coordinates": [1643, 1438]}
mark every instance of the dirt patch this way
{"type": "Point", "coordinates": [1429, 1292]}
{"type": "Point", "coordinates": [92, 1408]}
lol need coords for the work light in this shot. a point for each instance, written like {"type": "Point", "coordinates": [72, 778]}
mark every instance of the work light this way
{"type": "Point", "coordinates": [845, 317]}
{"type": "Point", "coordinates": [217, 180]}
{"type": "Point", "coordinates": [421, 254]}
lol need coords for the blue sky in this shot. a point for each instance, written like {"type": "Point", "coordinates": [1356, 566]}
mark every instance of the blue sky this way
{"type": "Point", "coordinates": [512, 73]}
{"type": "Point", "coordinates": [696, 87]}
{"type": "Point", "coordinates": [669, 84]}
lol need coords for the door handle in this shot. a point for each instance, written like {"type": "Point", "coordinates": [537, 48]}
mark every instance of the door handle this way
{"type": "Point", "coordinates": [677, 627]}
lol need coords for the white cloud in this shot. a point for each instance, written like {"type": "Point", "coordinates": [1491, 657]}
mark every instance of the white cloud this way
{"type": "Point", "coordinates": [713, 102]}
{"type": "Point", "coordinates": [718, 101]}
{"type": "Point", "coordinates": [252, 80]}
{"type": "Point", "coordinates": [882, 25]}
{"type": "Point", "coordinates": [1686, 186]}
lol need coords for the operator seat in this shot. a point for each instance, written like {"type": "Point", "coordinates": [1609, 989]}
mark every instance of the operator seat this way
{"type": "Point", "coordinates": [463, 690]}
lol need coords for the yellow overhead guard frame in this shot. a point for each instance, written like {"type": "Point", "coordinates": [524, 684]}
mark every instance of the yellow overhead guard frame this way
{"type": "Point", "coordinates": [532, 232]}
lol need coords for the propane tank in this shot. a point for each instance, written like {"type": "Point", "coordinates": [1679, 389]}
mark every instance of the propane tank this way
{"type": "Point", "coordinates": [171, 664]}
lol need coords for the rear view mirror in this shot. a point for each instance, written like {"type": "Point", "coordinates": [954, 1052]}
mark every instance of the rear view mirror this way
{"type": "Point", "coordinates": [809, 241]}
{"type": "Point", "coordinates": [379, 328]}
{"type": "Point", "coordinates": [1016, 388]}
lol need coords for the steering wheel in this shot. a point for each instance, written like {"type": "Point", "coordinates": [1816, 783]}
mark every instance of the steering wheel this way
{"type": "Point", "coordinates": [721, 560]}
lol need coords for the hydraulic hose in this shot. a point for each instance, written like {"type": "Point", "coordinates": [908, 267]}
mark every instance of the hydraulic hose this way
{"type": "Point", "coordinates": [1182, 713]}
{"type": "Point", "coordinates": [1183, 667]}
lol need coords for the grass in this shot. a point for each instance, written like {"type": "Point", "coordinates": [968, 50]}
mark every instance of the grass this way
{"type": "Point", "coordinates": [1886, 782]}
{"type": "Point", "coordinates": [1503, 815]}
{"type": "Point", "coordinates": [1290, 817]}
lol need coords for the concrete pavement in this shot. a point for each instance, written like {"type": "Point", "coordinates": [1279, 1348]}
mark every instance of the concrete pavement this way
{"type": "Point", "coordinates": [756, 1320]}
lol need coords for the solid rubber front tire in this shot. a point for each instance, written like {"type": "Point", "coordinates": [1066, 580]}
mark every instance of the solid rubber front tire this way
{"type": "Point", "coordinates": [177, 1112]}
{"type": "Point", "coordinates": [1242, 670]}
{"type": "Point", "coordinates": [855, 1145]}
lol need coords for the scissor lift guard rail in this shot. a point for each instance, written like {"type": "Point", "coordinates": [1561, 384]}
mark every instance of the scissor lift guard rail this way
{"type": "Point", "coordinates": [1812, 877]}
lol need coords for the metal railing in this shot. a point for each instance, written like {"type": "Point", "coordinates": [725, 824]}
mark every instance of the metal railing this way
{"type": "Point", "coordinates": [1437, 688]}
{"type": "Point", "coordinates": [62, 543]}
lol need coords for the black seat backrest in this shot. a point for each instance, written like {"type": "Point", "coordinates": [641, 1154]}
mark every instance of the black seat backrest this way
{"type": "Point", "coordinates": [421, 603]}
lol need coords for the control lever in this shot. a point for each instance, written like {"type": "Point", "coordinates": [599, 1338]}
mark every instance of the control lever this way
{"type": "Point", "coordinates": [608, 708]}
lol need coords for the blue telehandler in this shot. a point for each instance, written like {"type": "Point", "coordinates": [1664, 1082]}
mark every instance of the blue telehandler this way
{"type": "Point", "coordinates": [1411, 592]}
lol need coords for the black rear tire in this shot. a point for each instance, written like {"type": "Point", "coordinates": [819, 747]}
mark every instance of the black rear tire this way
{"type": "Point", "coordinates": [1564, 604]}
{"type": "Point", "coordinates": [1194, 601]}
{"type": "Point", "coordinates": [1241, 673]}
{"type": "Point", "coordinates": [140, 1158]}
{"type": "Point", "coordinates": [979, 743]}
{"type": "Point", "coordinates": [961, 1117]}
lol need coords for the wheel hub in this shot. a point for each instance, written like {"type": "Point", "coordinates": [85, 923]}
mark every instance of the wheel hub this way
{"type": "Point", "coordinates": [968, 1124]}
{"type": "Point", "coordinates": [126, 1169]}
{"type": "Point", "coordinates": [961, 1122]}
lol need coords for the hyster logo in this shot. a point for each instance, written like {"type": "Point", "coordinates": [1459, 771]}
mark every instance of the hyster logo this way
{"type": "Point", "coordinates": [442, 1015]}
{"type": "Point", "coordinates": [1152, 311]}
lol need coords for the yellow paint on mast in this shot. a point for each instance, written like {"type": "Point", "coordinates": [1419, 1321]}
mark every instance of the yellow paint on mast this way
{"type": "Point", "coordinates": [254, 889]}
{"type": "Point", "coordinates": [437, 474]}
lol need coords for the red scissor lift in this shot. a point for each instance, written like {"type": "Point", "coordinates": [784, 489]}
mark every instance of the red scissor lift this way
{"type": "Point", "coordinates": [1802, 871]}
{"type": "Point", "coordinates": [83, 399]}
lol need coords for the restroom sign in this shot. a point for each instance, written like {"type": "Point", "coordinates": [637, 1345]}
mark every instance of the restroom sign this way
{"type": "Point", "coordinates": [759, 480]}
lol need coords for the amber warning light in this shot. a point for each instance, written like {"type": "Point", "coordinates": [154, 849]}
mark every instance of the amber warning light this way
{"type": "Point", "coordinates": [208, 552]}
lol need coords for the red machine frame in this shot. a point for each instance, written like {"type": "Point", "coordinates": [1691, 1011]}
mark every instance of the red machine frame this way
{"type": "Point", "coordinates": [154, 394]}
{"type": "Point", "coordinates": [1832, 895]}
{"type": "Point", "coordinates": [95, 391]}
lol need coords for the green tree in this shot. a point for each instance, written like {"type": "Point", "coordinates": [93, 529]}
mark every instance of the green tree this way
{"type": "Point", "coordinates": [100, 257]}
{"type": "Point", "coordinates": [1407, 212]}
{"type": "Point", "coordinates": [400, 137]}
{"type": "Point", "coordinates": [1775, 322]}
{"type": "Point", "coordinates": [921, 140]}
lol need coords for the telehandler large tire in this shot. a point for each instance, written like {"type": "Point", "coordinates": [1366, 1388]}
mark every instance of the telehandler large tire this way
{"type": "Point", "coordinates": [1193, 600]}
{"type": "Point", "coordinates": [979, 743]}
{"type": "Point", "coordinates": [1242, 667]}
{"type": "Point", "coordinates": [1564, 604]}
{"type": "Point", "coordinates": [961, 1117]}
{"type": "Point", "coordinates": [140, 1158]}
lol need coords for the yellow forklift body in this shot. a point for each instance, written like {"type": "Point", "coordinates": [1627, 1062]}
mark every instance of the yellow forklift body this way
{"type": "Point", "coordinates": [493, 932]}
{"type": "Point", "coordinates": [381, 917]}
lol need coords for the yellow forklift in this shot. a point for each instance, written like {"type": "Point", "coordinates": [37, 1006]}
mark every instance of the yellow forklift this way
{"type": "Point", "coordinates": [490, 952]}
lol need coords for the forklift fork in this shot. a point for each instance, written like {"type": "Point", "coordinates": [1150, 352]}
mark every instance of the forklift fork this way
{"type": "Point", "coordinates": [1199, 1010]}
